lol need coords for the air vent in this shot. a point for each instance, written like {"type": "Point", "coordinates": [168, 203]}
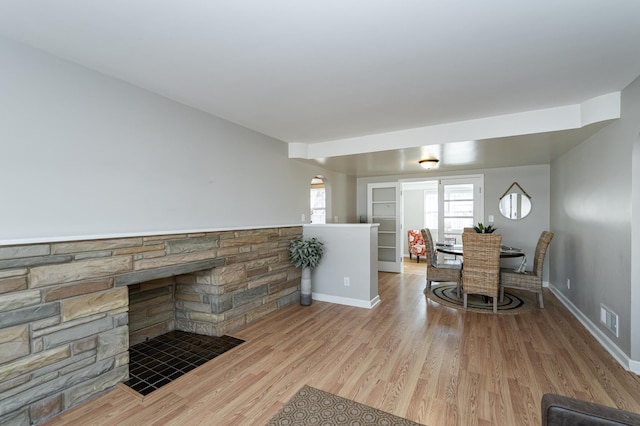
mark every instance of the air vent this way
{"type": "Point", "coordinates": [609, 319]}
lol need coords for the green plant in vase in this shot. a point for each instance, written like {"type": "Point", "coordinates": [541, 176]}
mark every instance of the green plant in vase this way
{"type": "Point", "coordinates": [306, 254]}
{"type": "Point", "coordinates": [481, 229]}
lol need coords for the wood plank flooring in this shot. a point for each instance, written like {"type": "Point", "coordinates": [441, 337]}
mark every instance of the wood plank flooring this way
{"type": "Point", "coordinates": [408, 356]}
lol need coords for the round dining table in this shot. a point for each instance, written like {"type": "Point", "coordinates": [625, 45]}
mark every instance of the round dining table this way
{"type": "Point", "coordinates": [456, 249]}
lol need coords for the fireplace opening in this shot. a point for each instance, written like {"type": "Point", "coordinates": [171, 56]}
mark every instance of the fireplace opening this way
{"type": "Point", "coordinates": [158, 361]}
{"type": "Point", "coordinates": [159, 350]}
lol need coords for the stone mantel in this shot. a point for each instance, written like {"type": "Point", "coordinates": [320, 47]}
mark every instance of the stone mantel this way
{"type": "Point", "coordinates": [64, 320]}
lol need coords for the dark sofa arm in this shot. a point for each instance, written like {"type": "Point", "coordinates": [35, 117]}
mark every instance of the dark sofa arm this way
{"type": "Point", "coordinates": [559, 410]}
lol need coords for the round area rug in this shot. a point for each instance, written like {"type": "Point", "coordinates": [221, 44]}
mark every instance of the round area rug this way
{"type": "Point", "coordinates": [445, 294]}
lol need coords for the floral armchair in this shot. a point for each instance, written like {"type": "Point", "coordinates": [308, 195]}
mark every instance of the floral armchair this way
{"type": "Point", "coordinates": [416, 244]}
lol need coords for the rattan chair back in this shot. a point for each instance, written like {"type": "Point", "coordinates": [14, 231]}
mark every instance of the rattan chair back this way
{"type": "Point", "coordinates": [435, 271]}
{"type": "Point", "coordinates": [530, 280]}
{"type": "Point", "coordinates": [481, 270]}
{"type": "Point", "coordinates": [431, 255]}
{"type": "Point", "coordinates": [541, 251]}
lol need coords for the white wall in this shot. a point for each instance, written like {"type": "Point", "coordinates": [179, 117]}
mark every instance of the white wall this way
{"type": "Point", "coordinates": [86, 155]}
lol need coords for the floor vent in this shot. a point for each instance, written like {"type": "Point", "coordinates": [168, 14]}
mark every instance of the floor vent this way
{"type": "Point", "coordinates": [609, 319]}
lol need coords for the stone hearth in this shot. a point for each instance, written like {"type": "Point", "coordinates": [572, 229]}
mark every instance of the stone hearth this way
{"type": "Point", "coordinates": [64, 306]}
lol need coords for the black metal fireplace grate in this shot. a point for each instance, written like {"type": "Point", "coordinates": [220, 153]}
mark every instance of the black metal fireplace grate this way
{"type": "Point", "coordinates": [158, 361]}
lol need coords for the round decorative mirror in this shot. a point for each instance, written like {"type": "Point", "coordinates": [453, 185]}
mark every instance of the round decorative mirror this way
{"type": "Point", "coordinates": [514, 205]}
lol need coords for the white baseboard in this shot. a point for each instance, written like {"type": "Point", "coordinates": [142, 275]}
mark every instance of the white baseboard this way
{"type": "Point", "coordinates": [358, 303]}
{"type": "Point", "coordinates": [604, 340]}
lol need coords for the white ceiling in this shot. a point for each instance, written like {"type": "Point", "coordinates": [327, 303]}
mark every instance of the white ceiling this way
{"type": "Point", "coordinates": [317, 71]}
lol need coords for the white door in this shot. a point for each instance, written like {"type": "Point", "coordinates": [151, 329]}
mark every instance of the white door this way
{"type": "Point", "coordinates": [384, 206]}
{"type": "Point", "coordinates": [461, 205]}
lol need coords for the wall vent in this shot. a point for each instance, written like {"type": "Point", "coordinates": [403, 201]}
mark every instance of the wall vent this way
{"type": "Point", "coordinates": [609, 319]}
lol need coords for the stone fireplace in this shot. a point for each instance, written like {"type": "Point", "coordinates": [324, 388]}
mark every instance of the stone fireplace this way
{"type": "Point", "coordinates": [65, 319]}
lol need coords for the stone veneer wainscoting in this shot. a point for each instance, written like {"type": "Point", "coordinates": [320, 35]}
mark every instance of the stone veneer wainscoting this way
{"type": "Point", "coordinates": [64, 334]}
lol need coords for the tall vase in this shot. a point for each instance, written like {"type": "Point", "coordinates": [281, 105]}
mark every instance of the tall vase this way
{"type": "Point", "coordinates": [305, 287]}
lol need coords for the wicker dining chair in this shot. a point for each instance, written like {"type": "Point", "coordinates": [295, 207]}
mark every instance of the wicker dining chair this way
{"type": "Point", "coordinates": [529, 280]}
{"type": "Point", "coordinates": [436, 271]}
{"type": "Point", "coordinates": [481, 271]}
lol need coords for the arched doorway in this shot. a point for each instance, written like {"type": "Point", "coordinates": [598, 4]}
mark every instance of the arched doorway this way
{"type": "Point", "coordinates": [318, 197]}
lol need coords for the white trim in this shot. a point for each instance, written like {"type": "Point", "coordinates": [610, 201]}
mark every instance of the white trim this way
{"type": "Point", "coordinates": [338, 225]}
{"type": "Point", "coordinates": [46, 240]}
{"type": "Point", "coordinates": [358, 303]}
{"type": "Point", "coordinates": [617, 353]}
{"type": "Point", "coordinates": [439, 177]}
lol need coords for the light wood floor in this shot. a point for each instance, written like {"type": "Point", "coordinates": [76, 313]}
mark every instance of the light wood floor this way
{"type": "Point", "coordinates": [408, 356]}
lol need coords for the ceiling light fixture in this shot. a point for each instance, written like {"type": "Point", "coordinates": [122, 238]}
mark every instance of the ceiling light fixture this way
{"type": "Point", "coordinates": [429, 163]}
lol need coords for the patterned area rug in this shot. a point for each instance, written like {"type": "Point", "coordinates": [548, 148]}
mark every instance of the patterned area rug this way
{"type": "Point", "coordinates": [311, 406]}
{"type": "Point", "coordinates": [445, 294]}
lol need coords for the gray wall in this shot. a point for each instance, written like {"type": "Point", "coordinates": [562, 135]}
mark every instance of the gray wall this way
{"type": "Point", "coordinates": [522, 233]}
{"type": "Point", "coordinates": [635, 253]}
{"type": "Point", "coordinates": [591, 198]}
{"type": "Point", "coordinates": [86, 155]}
{"type": "Point", "coordinates": [341, 261]}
